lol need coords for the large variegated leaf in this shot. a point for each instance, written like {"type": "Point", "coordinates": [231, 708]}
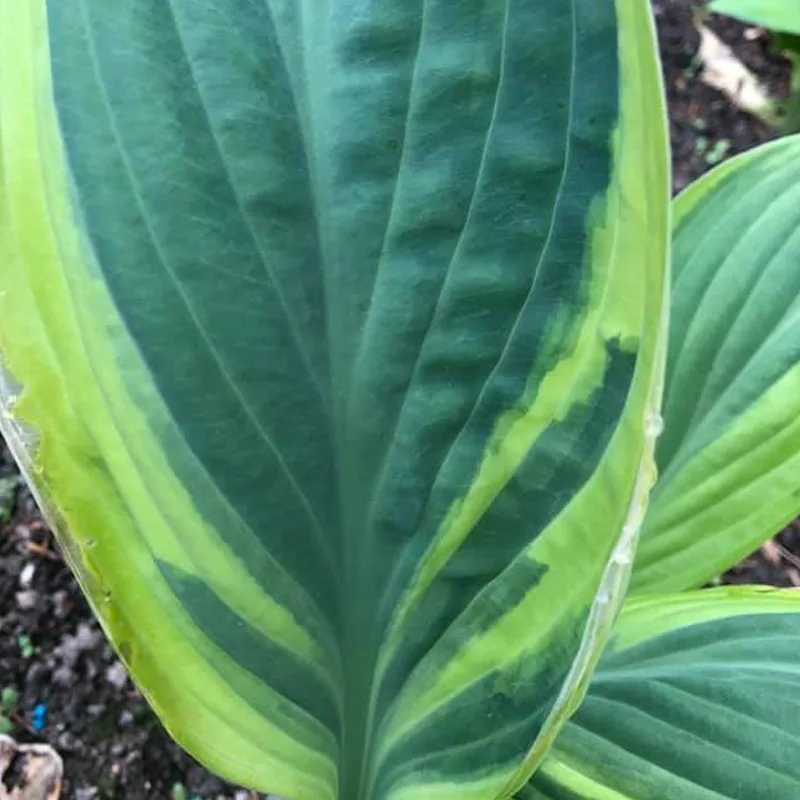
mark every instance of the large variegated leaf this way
{"type": "Point", "coordinates": [337, 328]}
{"type": "Point", "coordinates": [698, 698]}
{"type": "Point", "coordinates": [729, 460]}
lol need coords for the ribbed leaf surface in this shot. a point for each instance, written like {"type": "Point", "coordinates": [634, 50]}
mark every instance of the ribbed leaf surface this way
{"type": "Point", "coordinates": [729, 459]}
{"type": "Point", "coordinates": [697, 699]}
{"type": "Point", "coordinates": [338, 328]}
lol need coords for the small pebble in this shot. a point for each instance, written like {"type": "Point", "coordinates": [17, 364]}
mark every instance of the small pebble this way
{"type": "Point", "coordinates": [86, 637]}
{"type": "Point", "coordinates": [26, 576]}
{"type": "Point", "coordinates": [22, 532]}
{"type": "Point", "coordinates": [125, 719]}
{"type": "Point", "coordinates": [116, 675]}
{"type": "Point", "coordinates": [27, 600]}
{"type": "Point", "coordinates": [64, 676]}
{"type": "Point", "coordinates": [83, 641]}
{"type": "Point", "coordinates": [66, 742]}
{"type": "Point", "coordinates": [62, 605]}
{"type": "Point", "coordinates": [200, 782]}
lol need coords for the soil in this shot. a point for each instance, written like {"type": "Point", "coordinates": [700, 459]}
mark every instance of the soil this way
{"type": "Point", "coordinates": [70, 689]}
{"type": "Point", "coordinates": [705, 127]}
{"type": "Point", "coordinates": [72, 692]}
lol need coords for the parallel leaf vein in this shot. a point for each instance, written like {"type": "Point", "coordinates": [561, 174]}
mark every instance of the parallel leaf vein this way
{"type": "Point", "coordinates": [228, 378]}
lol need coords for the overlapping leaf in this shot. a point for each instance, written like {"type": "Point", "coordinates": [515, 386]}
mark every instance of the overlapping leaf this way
{"type": "Point", "coordinates": [729, 459]}
{"type": "Point", "coordinates": [698, 698]}
{"type": "Point", "coordinates": [780, 15]}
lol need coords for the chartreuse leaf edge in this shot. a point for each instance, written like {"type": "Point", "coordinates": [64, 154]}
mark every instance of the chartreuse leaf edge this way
{"type": "Point", "coordinates": [227, 306]}
{"type": "Point", "coordinates": [696, 698]}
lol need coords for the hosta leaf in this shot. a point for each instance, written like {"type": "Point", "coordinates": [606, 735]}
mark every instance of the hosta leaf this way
{"type": "Point", "coordinates": [697, 698]}
{"type": "Point", "coordinates": [337, 328]}
{"type": "Point", "coordinates": [779, 15]}
{"type": "Point", "coordinates": [729, 459]}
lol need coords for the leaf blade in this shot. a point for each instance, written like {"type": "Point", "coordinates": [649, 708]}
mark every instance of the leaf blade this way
{"type": "Point", "coordinates": [730, 448]}
{"type": "Point", "coordinates": [779, 15]}
{"type": "Point", "coordinates": [164, 450]}
{"type": "Point", "coordinates": [696, 699]}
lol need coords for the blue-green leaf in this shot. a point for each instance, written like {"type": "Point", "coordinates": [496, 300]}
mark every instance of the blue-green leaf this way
{"type": "Point", "coordinates": [336, 328]}
{"type": "Point", "coordinates": [779, 15]}
{"type": "Point", "coordinates": [698, 698]}
{"type": "Point", "coordinates": [729, 459]}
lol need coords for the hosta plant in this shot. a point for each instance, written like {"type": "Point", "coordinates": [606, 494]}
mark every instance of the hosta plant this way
{"type": "Point", "coordinates": [335, 336]}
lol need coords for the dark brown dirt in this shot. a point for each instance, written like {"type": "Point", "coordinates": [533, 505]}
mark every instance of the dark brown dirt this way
{"type": "Point", "coordinates": [73, 693]}
{"type": "Point", "coordinates": [777, 563]}
{"type": "Point", "coordinates": [705, 127]}
{"type": "Point", "coordinates": [55, 658]}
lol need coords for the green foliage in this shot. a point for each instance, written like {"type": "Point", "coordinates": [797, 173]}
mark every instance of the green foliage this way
{"type": "Point", "coordinates": [698, 697]}
{"type": "Point", "coordinates": [779, 15]}
{"type": "Point", "coordinates": [9, 697]}
{"type": "Point", "coordinates": [335, 327]}
{"type": "Point", "coordinates": [179, 792]}
{"type": "Point", "coordinates": [697, 694]}
{"type": "Point", "coordinates": [730, 455]}
{"type": "Point", "coordinates": [26, 646]}
{"type": "Point", "coordinates": [341, 333]}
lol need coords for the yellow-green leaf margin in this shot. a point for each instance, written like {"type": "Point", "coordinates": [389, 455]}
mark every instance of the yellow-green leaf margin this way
{"type": "Point", "coordinates": [301, 706]}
